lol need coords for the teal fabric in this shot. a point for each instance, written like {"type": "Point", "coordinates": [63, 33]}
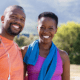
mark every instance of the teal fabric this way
{"type": "Point", "coordinates": [49, 65]}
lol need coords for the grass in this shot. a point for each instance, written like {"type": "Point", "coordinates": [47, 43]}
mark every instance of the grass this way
{"type": "Point", "coordinates": [74, 72]}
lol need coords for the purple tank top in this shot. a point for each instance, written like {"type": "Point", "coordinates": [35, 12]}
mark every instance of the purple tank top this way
{"type": "Point", "coordinates": [33, 71]}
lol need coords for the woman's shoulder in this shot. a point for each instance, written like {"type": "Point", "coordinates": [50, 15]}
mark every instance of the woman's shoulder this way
{"type": "Point", "coordinates": [64, 56]}
{"type": "Point", "coordinates": [24, 50]}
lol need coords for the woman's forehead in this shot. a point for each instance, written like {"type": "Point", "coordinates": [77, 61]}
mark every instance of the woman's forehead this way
{"type": "Point", "coordinates": [46, 19]}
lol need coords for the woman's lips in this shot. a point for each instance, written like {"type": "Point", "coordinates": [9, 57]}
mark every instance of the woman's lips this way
{"type": "Point", "coordinates": [46, 36]}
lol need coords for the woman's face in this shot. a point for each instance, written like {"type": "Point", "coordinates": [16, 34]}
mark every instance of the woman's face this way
{"type": "Point", "coordinates": [46, 29]}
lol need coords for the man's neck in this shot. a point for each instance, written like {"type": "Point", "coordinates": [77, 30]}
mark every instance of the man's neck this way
{"type": "Point", "coordinates": [6, 35]}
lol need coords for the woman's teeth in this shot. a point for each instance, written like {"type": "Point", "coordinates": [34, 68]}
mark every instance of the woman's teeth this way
{"type": "Point", "coordinates": [46, 36]}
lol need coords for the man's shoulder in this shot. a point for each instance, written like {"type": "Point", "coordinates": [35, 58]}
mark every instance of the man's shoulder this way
{"type": "Point", "coordinates": [17, 46]}
{"type": "Point", "coordinates": [15, 43]}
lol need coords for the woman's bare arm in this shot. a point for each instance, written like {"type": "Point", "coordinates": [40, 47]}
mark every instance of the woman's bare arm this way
{"type": "Point", "coordinates": [66, 65]}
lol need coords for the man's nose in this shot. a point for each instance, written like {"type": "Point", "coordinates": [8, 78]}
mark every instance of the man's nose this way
{"type": "Point", "coordinates": [18, 21]}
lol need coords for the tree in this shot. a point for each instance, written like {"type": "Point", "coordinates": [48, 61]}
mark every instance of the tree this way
{"type": "Point", "coordinates": [77, 50]}
{"type": "Point", "coordinates": [66, 36]}
{"type": "Point", "coordinates": [23, 40]}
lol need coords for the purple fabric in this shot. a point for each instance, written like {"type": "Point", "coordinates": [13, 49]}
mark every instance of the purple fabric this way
{"type": "Point", "coordinates": [33, 71]}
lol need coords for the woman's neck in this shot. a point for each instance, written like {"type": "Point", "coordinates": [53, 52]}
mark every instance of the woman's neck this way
{"type": "Point", "coordinates": [44, 46]}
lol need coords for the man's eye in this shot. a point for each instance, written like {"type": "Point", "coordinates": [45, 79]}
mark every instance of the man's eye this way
{"type": "Point", "coordinates": [13, 17]}
{"type": "Point", "coordinates": [42, 27]}
{"type": "Point", "coordinates": [22, 19]}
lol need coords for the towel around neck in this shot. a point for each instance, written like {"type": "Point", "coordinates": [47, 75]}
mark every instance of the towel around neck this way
{"type": "Point", "coordinates": [49, 65]}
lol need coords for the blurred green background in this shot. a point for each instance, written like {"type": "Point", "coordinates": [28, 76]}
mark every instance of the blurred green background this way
{"type": "Point", "coordinates": [67, 38]}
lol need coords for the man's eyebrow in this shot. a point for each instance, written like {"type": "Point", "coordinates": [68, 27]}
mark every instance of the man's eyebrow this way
{"type": "Point", "coordinates": [42, 25]}
{"type": "Point", "coordinates": [17, 14]}
{"type": "Point", "coordinates": [13, 14]}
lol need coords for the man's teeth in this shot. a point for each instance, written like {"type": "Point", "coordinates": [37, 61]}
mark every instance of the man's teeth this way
{"type": "Point", "coordinates": [46, 36]}
{"type": "Point", "coordinates": [16, 27]}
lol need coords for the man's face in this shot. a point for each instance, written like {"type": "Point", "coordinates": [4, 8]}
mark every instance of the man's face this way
{"type": "Point", "coordinates": [13, 21]}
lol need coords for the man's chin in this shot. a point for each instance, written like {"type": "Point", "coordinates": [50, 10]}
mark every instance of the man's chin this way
{"type": "Point", "coordinates": [13, 34]}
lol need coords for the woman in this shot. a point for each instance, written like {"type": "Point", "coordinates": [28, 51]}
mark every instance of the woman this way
{"type": "Point", "coordinates": [43, 60]}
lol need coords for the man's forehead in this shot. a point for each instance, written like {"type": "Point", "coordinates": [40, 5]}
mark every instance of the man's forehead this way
{"type": "Point", "coordinates": [12, 8]}
{"type": "Point", "coordinates": [8, 9]}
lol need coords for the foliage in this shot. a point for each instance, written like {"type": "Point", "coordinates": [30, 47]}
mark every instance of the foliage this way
{"type": "Point", "coordinates": [66, 37]}
{"type": "Point", "coordinates": [77, 44]}
{"type": "Point", "coordinates": [23, 40]}
{"type": "Point", "coordinates": [77, 49]}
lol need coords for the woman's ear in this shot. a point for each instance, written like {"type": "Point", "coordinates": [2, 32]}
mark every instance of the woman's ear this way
{"type": "Point", "coordinates": [56, 30]}
{"type": "Point", "coordinates": [2, 19]}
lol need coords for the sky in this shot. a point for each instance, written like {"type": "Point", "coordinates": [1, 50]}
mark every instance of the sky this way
{"type": "Point", "coordinates": [66, 10]}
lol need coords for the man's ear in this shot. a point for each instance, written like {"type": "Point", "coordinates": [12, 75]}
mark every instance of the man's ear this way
{"type": "Point", "coordinates": [2, 19]}
{"type": "Point", "coordinates": [37, 27]}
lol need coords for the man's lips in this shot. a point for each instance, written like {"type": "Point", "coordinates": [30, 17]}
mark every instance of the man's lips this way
{"type": "Point", "coordinates": [16, 26]}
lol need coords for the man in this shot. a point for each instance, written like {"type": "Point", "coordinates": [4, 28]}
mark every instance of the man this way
{"type": "Point", "coordinates": [11, 63]}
